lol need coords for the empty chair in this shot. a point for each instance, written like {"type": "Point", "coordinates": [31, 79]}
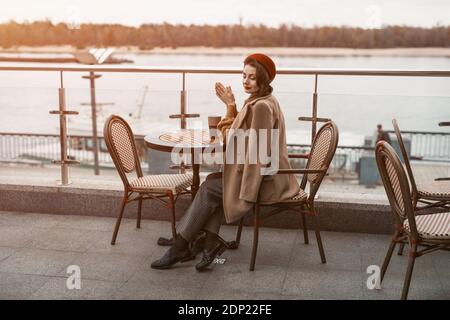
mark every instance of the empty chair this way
{"type": "Point", "coordinates": [166, 188]}
{"type": "Point", "coordinates": [431, 231]}
{"type": "Point", "coordinates": [319, 159]}
{"type": "Point", "coordinates": [432, 194]}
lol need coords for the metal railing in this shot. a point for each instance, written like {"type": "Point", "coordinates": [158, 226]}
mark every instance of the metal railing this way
{"type": "Point", "coordinates": [93, 71]}
{"type": "Point", "coordinates": [32, 148]}
{"type": "Point", "coordinates": [42, 148]}
{"type": "Point", "coordinates": [429, 145]}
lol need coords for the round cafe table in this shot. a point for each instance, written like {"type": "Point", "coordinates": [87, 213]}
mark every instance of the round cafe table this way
{"type": "Point", "coordinates": [194, 141]}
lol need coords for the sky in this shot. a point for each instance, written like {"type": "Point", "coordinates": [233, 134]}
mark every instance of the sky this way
{"type": "Point", "coordinates": [306, 13]}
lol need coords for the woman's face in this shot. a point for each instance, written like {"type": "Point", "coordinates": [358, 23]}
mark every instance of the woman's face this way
{"type": "Point", "coordinates": [249, 79]}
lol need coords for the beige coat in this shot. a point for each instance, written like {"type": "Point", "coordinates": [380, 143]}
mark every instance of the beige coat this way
{"type": "Point", "coordinates": [241, 182]}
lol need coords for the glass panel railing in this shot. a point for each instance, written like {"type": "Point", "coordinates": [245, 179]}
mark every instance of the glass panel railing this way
{"type": "Point", "coordinates": [26, 109]}
{"type": "Point", "coordinates": [357, 116]}
{"type": "Point", "coordinates": [146, 111]}
{"type": "Point", "coordinates": [30, 135]}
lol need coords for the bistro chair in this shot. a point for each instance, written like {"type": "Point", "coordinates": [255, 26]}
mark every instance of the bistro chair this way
{"type": "Point", "coordinates": [318, 162]}
{"type": "Point", "coordinates": [165, 188]}
{"type": "Point", "coordinates": [435, 194]}
{"type": "Point", "coordinates": [432, 231]}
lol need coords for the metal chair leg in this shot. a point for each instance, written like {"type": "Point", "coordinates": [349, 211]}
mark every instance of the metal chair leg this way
{"type": "Point", "coordinates": [255, 237]}
{"type": "Point", "coordinates": [319, 238]}
{"type": "Point", "coordinates": [138, 222]}
{"type": "Point", "coordinates": [305, 228]}
{"type": "Point", "coordinates": [409, 270]}
{"type": "Point", "coordinates": [119, 219]}
{"type": "Point", "coordinates": [400, 249]}
{"type": "Point", "coordinates": [387, 259]}
{"type": "Point", "coordinates": [171, 205]}
{"type": "Point", "coordinates": [239, 232]}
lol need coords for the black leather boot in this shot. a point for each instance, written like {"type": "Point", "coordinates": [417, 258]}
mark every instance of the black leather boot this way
{"type": "Point", "coordinates": [214, 247]}
{"type": "Point", "coordinates": [178, 252]}
{"type": "Point", "coordinates": [197, 245]}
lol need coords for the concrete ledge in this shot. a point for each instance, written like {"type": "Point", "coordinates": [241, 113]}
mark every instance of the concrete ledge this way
{"type": "Point", "coordinates": [365, 213]}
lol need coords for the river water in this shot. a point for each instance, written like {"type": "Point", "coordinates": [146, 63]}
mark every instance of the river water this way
{"type": "Point", "coordinates": [356, 104]}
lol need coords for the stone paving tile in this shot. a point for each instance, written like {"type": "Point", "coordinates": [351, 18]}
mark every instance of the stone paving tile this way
{"type": "Point", "coordinates": [38, 262]}
{"type": "Point", "coordinates": [323, 284]}
{"type": "Point", "coordinates": [441, 262]}
{"type": "Point", "coordinates": [336, 241]}
{"type": "Point", "coordinates": [89, 223]}
{"type": "Point", "coordinates": [371, 242]}
{"type": "Point", "coordinates": [56, 289]}
{"type": "Point", "coordinates": [65, 239]}
{"type": "Point", "coordinates": [341, 252]}
{"type": "Point", "coordinates": [396, 280]}
{"type": "Point", "coordinates": [308, 258]}
{"type": "Point", "coordinates": [19, 219]}
{"type": "Point", "coordinates": [19, 286]}
{"type": "Point", "coordinates": [426, 282]}
{"type": "Point", "coordinates": [180, 275]}
{"type": "Point", "coordinates": [269, 253]}
{"type": "Point", "coordinates": [418, 290]}
{"type": "Point", "coordinates": [237, 277]}
{"type": "Point", "coordinates": [228, 232]}
{"type": "Point", "coordinates": [136, 242]}
{"type": "Point", "coordinates": [34, 258]}
{"type": "Point", "coordinates": [18, 236]}
{"type": "Point", "coordinates": [107, 224]}
{"type": "Point", "coordinates": [423, 267]}
{"type": "Point", "coordinates": [135, 290]}
{"type": "Point", "coordinates": [274, 246]}
{"type": "Point", "coordinates": [211, 293]}
{"type": "Point", "coordinates": [5, 252]}
{"type": "Point", "coordinates": [107, 267]}
{"type": "Point", "coordinates": [154, 227]}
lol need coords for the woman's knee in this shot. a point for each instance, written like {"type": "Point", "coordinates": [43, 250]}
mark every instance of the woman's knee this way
{"type": "Point", "coordinates": [211, 186]}
{"type": "Point", "coordinates": [206, 185]}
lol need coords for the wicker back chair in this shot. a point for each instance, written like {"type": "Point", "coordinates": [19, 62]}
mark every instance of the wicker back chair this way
{"type": "Point", "coordinates": [166, 188]}
{"type": "Point", "coordinates": [430, 230]}
{"type": "Point", "coordinates": [319, 159]}
{"type": "Point", "coordinates": [434, 194]}
{"type": "Point", "coordinates": [431, 195]}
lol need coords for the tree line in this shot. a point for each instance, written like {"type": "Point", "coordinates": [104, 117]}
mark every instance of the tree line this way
{"type": "Point", "coordinates": [148, 36]}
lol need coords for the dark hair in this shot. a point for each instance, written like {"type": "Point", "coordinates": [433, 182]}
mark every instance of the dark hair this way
{"type": "Point", "coordinates": [262, 78]}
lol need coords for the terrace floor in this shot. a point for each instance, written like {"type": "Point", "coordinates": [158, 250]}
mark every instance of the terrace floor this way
{"type": "Point", "coordinates": [36, 249]}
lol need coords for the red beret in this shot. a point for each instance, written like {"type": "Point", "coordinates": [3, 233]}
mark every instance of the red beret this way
{"type": "Point", "coordinates": [266, 62]}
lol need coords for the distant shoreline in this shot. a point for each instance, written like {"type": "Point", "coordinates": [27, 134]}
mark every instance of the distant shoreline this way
{"type": "Point", "coordinates": [275, 51]}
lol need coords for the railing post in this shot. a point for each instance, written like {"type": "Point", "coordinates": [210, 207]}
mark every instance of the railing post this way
{"type": "Point", "coordinates": [182, 113]}
{"type": "Point", "coordinates": [314, 119]}
{"type": "Point", "coordinates": [63, 135]}
{"type": "Point", "coordinates": [183, 103]}
{"type": "Point", "coordinates": [183, 116]}
{"type": "Point", "coordinates": [62, 112]}
{"type": "Point", "coordinates": [314, 110]}
{"type": "Point", "coordinates": [92, 76]}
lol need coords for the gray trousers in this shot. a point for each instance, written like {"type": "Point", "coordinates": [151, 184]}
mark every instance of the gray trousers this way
{"type": "Point", "coordinates": [205, 211]}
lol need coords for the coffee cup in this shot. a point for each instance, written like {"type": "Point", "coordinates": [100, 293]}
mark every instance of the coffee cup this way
{"type": "Point", "coordinates": [213, 121]}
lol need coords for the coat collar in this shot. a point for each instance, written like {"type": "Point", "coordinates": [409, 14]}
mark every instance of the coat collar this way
{"type": "Point", "coordinates": [243, 113]}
